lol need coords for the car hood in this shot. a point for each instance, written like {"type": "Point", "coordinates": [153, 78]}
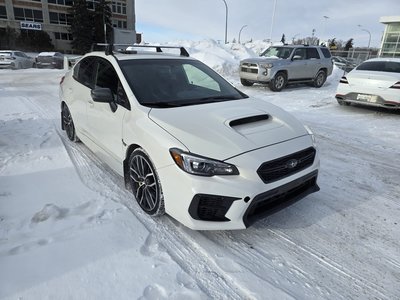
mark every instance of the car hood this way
{"type": "Point", "coordinates": [226, 129]}
{"type": "Point", "coordinates": [369, 78]}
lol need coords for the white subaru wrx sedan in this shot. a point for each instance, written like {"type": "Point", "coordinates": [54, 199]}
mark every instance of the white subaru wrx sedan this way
{"type": "Point", "coordinates": [187, 142]}
{"type": "Point", "coordinates": [375, 82]}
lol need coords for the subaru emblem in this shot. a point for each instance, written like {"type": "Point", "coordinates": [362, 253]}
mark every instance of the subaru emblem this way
{"type": "Point", "coordinates": [291, 163]}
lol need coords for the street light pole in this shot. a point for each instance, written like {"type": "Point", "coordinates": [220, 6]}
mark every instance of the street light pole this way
{"type": "Point", "coordinates": [240, 32]}
{"type": "Point", "coordinates": [363, 29]}
{"type": "Point", "coordinates": [326, 20]}
{"type": "Point", "coordinates": [272, 22]}
{"type": "Point", "coordinates": [226, 22]}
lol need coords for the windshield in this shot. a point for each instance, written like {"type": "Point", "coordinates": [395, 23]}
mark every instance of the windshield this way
{"type": "Point", "coordinates": [176, 82]}
{"type": "Point", "coordinates": [381, 66]}
{"type": "Point", "coordinates": [277, 52]}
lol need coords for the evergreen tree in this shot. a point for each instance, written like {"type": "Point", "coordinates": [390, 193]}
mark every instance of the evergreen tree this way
{"type": "Point", "coordinates": [102, 15]}
{"type": "Point", "coordinates": [349, 44]}
{"type": "Point", "coordinates": [33, 40]}
{"type": "Point", "coordinates": [82, 27]}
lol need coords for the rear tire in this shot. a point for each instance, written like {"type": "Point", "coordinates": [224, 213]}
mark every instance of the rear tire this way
{"type": "Point", "coordinates": [320, 79]}
{"type": "Point", "coordinates": [145, 183]}
{"type": "Point", "coordinates": [278, 82]}
{"type": "Point", "coordinates": [246, 82]}
{"type": "Point", "coordinates": [341, 102]}
{"type": "Point", "coordinates": [68, 124]}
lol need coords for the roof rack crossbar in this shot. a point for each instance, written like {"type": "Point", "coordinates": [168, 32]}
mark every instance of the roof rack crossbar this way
{"type": "Point", "coordinates": [109, 48]}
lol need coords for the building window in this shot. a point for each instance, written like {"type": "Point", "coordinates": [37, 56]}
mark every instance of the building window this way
{"type": "Point", "coordinates": [27, 14]}
{"type": "Point", "coordinates": [119, 7]}
{"type": "Point", "coordinates": [91, 4]}
{"type": "Point", "coordinates": [60, 18]}
{"type": "Point", "coordinates": [63, 36]}
{"type": "Point", "coordinates": [391, 41]}
{"type": "Point", "coordinates": [119, 24]}
{"type": "Point", "coordinates": [3, 12]}
{"type": "Point", "coordinates": [61, 2]}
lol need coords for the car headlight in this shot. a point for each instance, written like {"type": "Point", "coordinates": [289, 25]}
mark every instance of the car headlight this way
{"type": "Point", "coordinates": [311, 134]}
{"type": "Point", "coordinates": [266, 66]}
{"type": "Point", "coordinates": [198, 165]}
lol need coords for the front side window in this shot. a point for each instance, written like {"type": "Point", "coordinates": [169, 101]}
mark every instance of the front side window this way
{"type": "Point", "coordinates": [176, 82]}
{"type": "Point", "coordinates": [300, 52]}
{"type": "Point", "coordinates": [85, 69]}
{"type": "Point", "coordinates": [107, 78]}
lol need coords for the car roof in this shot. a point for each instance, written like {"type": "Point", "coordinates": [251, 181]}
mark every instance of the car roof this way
{"type": "Point", "coordinates": [299, 46]}
{"type": "Point", "coordinates": [393, 59]}
{"type": "Point", "coordinates": [138, 55]}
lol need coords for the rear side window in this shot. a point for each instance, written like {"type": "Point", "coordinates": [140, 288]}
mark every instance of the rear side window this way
{"type": "Point", "coordinates": [326, 52]}
{"type": "Point", "coordinates": [86, 71]}
{"type": "Point", "coordinates": [312, 53]}
{"type": "Point", "coordinates": [381, 66]}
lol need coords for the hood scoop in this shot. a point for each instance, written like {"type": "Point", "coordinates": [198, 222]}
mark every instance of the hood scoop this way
{"type": "Point", "coordinates": [248, 120]}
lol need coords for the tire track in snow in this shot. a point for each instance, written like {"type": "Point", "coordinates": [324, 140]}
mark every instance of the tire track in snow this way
{"type": "Point", "coordinates": [102, 180]}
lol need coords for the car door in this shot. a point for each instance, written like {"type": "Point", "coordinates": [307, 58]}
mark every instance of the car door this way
{"type": "Point", "coordinates": [83, 75]}
{"type": "Point", "coordinates": [314, 62]}
{"type": "Point", "coordinates": [297, 67]}
{"type": "Point", "coordinates": [104, 119]}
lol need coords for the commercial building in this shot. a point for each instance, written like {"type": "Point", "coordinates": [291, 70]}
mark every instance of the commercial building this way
{"type": "Point", "coordinates": [391, 38]}
{"type": "Point", "coordinates": [53, 17]}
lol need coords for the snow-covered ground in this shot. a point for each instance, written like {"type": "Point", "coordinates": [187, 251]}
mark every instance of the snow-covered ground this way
{"type": "Point", "coordinates": [70, 230]}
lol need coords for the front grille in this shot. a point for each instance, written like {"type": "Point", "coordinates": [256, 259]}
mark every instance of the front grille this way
{"type": "Point", "coordinates": [210, 207]}
{"type": "Point", "coordinates": [249, 68]}
{"type": "Point", "coordinates": [281, 197]}
{"type": "Point", "coordinates": [285, 166]}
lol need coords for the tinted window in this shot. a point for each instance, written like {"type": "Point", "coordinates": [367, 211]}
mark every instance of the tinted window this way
{"type": "Point", "coordinates": [382, 66]}
{"type": "Point", "coordinates": [176, 82]}
{"type": "Point", "coordinates": [312, 53]}
{"type": "Point", "coordinates": [326, 52]}
{"type": "Point", "coordinates": [108, 78]}
{"type": "Point", "coordinates": [300, 52]}
{"type": "Point", "coordinates": [86, 71]}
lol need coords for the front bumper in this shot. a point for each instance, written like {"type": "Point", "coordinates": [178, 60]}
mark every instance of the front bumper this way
{"type": "Point", "coordinates": [255, 73]}
{"type": "Point", "coordinates": [235, 202]}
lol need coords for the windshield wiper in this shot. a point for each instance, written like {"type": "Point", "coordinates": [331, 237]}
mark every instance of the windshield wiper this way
{"type": "Point", "coordinates": [218, 98]}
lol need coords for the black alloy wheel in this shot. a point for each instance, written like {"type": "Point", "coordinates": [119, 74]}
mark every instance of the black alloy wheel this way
{"type": "Point", "coordinates": [145, 183]}
{"type": "Point", "coordinates": [68, 124]}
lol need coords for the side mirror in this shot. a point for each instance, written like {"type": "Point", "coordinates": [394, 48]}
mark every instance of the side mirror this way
{"type": "Point", "coordinates": [103, 95]}
{"type": "Point", "coordinates": [297, 57]}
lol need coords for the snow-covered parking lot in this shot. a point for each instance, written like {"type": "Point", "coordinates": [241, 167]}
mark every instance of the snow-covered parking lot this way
{"type": "Point", "coordinates": [70, 230]}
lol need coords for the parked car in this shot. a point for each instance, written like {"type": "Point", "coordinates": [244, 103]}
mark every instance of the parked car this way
{"type": "Point", "coordinates": [50, 60]}
{"type": "Point", "coordinates": [280, 65]}
{"type": "Point", "coordinates": [11, 59]}
{"type": "Point", "coordinates": [346, 64]}
{"type": "Point", "coordinates": [186, 141]}
{"type": "Point", "coordinates": [375, 82]}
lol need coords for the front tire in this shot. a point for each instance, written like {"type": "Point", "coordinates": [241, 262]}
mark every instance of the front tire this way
{"type": "Point", "coordinates": [320, 79]}
{"type": "Point", "coordinates": [245, 82]}
{"type": "Point", "coordinates": [68, 124]}
{"type": "Point", "coordinates": [278, 82]}
{"type": "Point", "coordinates": [145, 183]}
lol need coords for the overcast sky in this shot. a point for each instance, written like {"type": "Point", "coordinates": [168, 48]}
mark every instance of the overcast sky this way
{"type": "Point", "coordinates": [171, 20]}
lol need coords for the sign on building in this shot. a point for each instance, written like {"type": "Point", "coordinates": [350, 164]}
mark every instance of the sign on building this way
{"type": "Point", "coordinates": [31, 26]}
